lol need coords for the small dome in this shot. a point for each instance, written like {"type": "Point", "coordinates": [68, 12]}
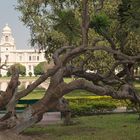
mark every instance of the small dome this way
{"type": "Point", "coordinates": [6, 29]}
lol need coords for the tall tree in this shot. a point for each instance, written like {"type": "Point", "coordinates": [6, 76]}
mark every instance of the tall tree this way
{"type": "Point", "coordinates": [96, 43]}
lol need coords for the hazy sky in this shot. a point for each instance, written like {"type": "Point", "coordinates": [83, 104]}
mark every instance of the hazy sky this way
{"type": "Point", "coordinates": [9, 15]}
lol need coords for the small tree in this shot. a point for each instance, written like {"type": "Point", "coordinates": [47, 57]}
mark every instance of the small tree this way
{"type": "Point", "coordinates": [20, 67]}
{"type": "Point", "coordinates": [40, 68]}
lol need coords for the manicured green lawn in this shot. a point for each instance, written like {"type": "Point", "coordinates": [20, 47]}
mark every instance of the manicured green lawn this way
{"type": "Point", "coordinates": [36, 94]}
{"type": "Point", "coordinates": [101, 127]}
{"type": "Point", "coordinates": [137, 85]}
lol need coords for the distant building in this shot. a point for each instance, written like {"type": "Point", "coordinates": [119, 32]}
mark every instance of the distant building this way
{"type": "Point", "coordinates": [8, 52]}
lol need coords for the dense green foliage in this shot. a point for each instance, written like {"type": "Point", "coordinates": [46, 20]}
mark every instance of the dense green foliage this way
{"type": "Point", "coordinates": [55, 24]}
{"type": "Point", "coordinates": [100, 22]}
{"type": "Point", "coordinates": [65, 22]}
{"type": "Point", "coordinates": [52, 23]}
{"type": "Point", "coordinates": [89, 105]}
{"type": "Point", "coordinates": [91, 108]}
{"type": "Point", "coordinates": [129, 23]}
{"type": "Point", "coordinates": [129, 11]}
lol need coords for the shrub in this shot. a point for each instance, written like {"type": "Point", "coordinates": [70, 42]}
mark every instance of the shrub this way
{"type": "Point", "coordinates": [88, 105]}
{"type": "Point", "coordinates": [90, 99]}
{"type": "Point", "coordinates": [30, 74]}
{"type": "Point", "coordinates": [92, 108]}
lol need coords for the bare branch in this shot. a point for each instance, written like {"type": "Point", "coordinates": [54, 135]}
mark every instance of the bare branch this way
{"type": "Point", "coordinates": [126, 91]}
{"type": "Point", "coordinates": [6, 96]}
{"type": "Point", "coordinates": [32, 86]}
{"type": "Point", "coordinates": [77, 51]}
{"type": "Point", "coordinates": [98, 5]}
{"type": "Point", "coordinates": [109, 39]}
{"type": "Point", "coordinates": [3, 66]}
{"type": "Point", "coordinates": [56, 55]}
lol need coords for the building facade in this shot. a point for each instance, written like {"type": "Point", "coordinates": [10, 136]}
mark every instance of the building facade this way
{"type": "Point", "coordinates": [9, 53]}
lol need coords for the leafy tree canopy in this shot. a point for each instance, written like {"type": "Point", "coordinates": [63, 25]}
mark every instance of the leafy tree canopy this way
{"type": "Point", "coordinates": [129, 11]}
{"type": "Point", "coordinates": [55, 24]}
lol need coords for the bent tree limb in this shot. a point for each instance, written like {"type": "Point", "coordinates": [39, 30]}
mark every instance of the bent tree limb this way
{"type": "Point", "coordinates": [58, 88]}
{"type": "Point", "coordinates": [51, 100]}
{"type": "Point", "coordinates": [45, 76]}
{"type": "Point", "coordinates": [6, 96]}
{"type": "Point", "coordinates": [32, 86]}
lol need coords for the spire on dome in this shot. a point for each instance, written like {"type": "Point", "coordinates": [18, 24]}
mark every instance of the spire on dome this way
{"type": "Point", "coordinates": [7, 36]}
{"type": "Point", "coordinates": [6, 29]}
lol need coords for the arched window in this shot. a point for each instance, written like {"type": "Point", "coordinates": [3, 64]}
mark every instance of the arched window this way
{"type": "Point", "coordinates": [38, 58]}
{"type": "Point", "coordinates": [30, 58]}
{"type": "Point", "coordinates": [6, 57]}
{"type": "Point", "coordinates": [6, 38]}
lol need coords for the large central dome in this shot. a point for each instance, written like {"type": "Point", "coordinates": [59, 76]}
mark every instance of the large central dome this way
{"type": "Point", "coordinates": [6, 29]}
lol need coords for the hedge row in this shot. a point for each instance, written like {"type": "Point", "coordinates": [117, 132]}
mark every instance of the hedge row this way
{"type": "Point", "coordinates": [92, 108]}
{"type": "Point", "coordinates": [88, 105]}
{"type": "Point", "coordinates": [90, 99]}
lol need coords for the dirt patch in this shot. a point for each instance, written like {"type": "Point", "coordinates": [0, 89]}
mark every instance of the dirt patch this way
{"type": "Point", "coordinates": [11, 136]}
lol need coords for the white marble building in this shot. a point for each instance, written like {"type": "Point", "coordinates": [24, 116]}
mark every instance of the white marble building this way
{"type": "Point", "coordinates": [8, 51]}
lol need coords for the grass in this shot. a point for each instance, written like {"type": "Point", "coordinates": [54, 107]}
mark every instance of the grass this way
{"type": "Point", "coordinates": [101, 127]}
{"type": "Point", "coordinates": [79, 93]}
{"type": "Point", "coordinates": [137, 86]}
{"type": "Point", "coordinates": [36, 94]}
